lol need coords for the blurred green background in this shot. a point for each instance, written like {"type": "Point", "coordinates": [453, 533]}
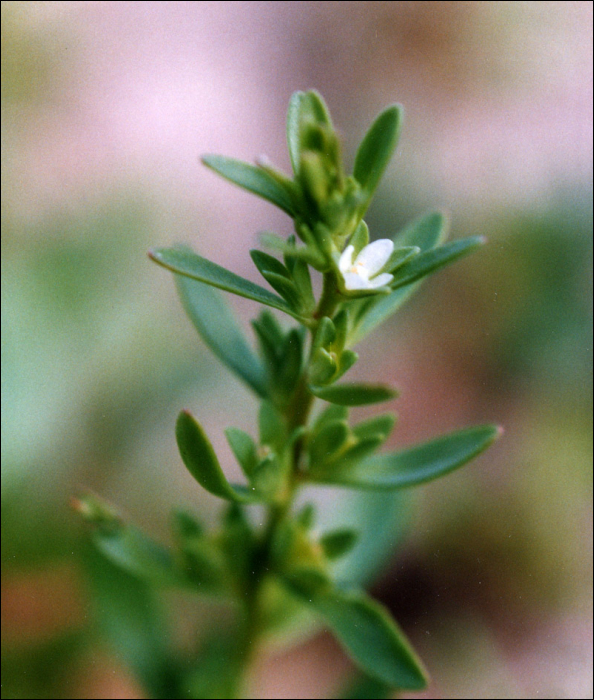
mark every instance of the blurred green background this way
{"type": "Point", "coordinates": [106, 108]}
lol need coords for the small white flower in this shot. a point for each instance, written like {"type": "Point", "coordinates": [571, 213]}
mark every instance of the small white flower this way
{"type": "Point", "coordinates": [362, 272]}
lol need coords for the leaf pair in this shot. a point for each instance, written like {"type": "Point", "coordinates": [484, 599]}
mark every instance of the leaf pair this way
{"type": "Point", "coordinates": [264, 470]}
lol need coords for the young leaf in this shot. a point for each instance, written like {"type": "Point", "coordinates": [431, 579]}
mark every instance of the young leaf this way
{"type": "Point", "coordinates": [271, 425]}
{"type": "Point", "coordinates": [322, 367]}
{"type": "Point", "coordinates": [293, 119]}
{"type": "Point", "coordinates": [267, 475]}
{"type": "Point", "coordinates": [337, 543]}
{"type": "Point", "coordinates": [309, 254]}
{"type": "Point", "coordinates": [291, 360]}
{"type": "Point", "coordinates": [417, 464]}
{"type": "Point", "coordinates": [378, 425]}
{"type": "Point", "coordinates": [377, 148]}
{"type": "Point", "coordinates": [368, 634]}
{"type": "Point", "coordinates": [244, 449]}
{"type": "Point", "coordinates": [302, 280]}
{"type": "Point", "coordinates": [358, 452]}
{"type": "Point", "coordinates": [184, 262]}
{"type": "Point", "coordinates": [253, 179]}
{"type": "Point", "coordinates": [327, 442]}
{"type": "Point", "coordinates": [430, 261]}
{"type": "Point", "coordinates": [330, 414]}
{"type": "Point", "coordinates": [354, 394]}
{"type": "Point", "coordinates": [202, 463]}
{"type": "Point", "coordinates": [216, 325]}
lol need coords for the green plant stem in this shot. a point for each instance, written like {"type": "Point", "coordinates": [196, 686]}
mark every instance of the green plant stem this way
{"type": "Point", "coordinates": [297, 415]}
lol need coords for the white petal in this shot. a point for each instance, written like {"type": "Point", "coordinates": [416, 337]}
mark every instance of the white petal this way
{"type": "Point", "coordinates": [380, 280]}
{"type": "Point", "coordinates": [346, 259]}
{"type": "Point", "coordinates": [354, 281]}
{"type": "Point", "coordinates": [375, 255]}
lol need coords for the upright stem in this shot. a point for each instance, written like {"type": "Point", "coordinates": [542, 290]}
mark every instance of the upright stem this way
{"type": "Point", "coordinates": [297, 415]}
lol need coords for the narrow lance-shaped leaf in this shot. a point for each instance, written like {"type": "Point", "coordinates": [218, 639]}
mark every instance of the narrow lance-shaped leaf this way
{"type": "Point", "coordinates": [253, 179]}
{"type": "Point", "coordinates": [377, 148]}
{"type": "Point", "coordinates": [202, 463]}
{"type": "Point", "coordinates": [368, 634]}
{"type": "Point", "coordinates": [216, 325]}
{"type": "Point", "coordinates": [354, 394]}
{"type": "Point", "coordinates": [417, 464]}
{"type": "Point", "coordinates": [430, 261]}
{"type": "Point", "coordinates": [184, 262]}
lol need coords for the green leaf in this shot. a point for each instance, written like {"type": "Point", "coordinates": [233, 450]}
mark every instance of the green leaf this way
{"type": "Point", "coordinates": [185, 525]}
{"type": "Point", "coordinates": [309, 254]}
{"type": "Point", "coordinates": [291, 361]}
{"type": "Point", "coordinates": [202, 463]}
{"type": "Point", "coordinates": [330, 414]}
{"type": "Point", "coordinates": [253, 179]}
{"type": "Point", "coordinates": [184, 262]}
{"type": "Point", "coordinates": [217, 327]}
{"type": "Point", "coordinates": [322, 367]}
{"type": "Point", "coordinates": [327, 442]}
{"type": "Point", "coordinates": [424, 232]}
{"type": "Point", "coordinates": [267, 264]}
{"type": "Point", "coordinates": [337, 543]}
{"type": "Point", "coordinates": [131, 619]}
{"type": "Point", "coordinates": [354, 394]}
{"type": "Point", "coordinates": [360, 237]}
{"type": "Point", "coordinates": [375, 311]}
{"type": "Point", "coordinates": [271, 425]}
{"type": "Point", "coordinates": [363, 448]}
{"type": "Point", "coordinates": [131, 550]}
{"type": "Point", "coordinates": [244, 449]}
{"type": "Point", "coordinates": [377, 148]}
{"type": "Point", "coordinates": [378, 425]}
{"type": "Point", "coordinates": [204, 566]}
{"type": "Point", "coordinates": [302, 280]}
{"type": "Point", "coordinates": [267, 475]}
{"type": "Point", "coordinates": [418, 464]}
{"type": "Point", "coordinates": [293, 119]}
{"type": "Point", "coordinates": [400, 256]}
{"type": "Point", "coordinates": [362, 687]}
{"type": "Point", "coordinates": [368, 634]}
{"type": "Point", "coordinates": [347, 360]}
{"type": "Point", "coordinates": [430, 261]}
{"type": "Point", "coordinates": [315, 105]}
